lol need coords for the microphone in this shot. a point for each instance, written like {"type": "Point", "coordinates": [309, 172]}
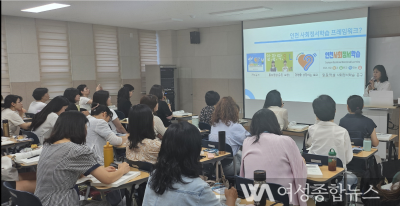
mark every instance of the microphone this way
{"type": "Point", "coordinates": [372, 78]}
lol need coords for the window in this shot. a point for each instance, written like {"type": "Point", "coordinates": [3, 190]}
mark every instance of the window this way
{"type": "Point", "coordinates": [55, 69]}
{"type": "Point", "coordinates": [5, 77]}
{"type": "Point", "coordinates": [107, 58]}
{"type": "Point", "coordinates": [148, 53]}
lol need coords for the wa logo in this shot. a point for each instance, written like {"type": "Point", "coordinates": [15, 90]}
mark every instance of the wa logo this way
{"type": "Point", "coordinates": [257, 196]}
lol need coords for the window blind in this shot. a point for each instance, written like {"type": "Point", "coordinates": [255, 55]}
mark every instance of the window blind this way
{"type": "Point", "coordinates": [5, 77]}
{"type": "Point", "coordinates": [148, 53]}
{"type": "Point", "coordinates": [107, 58]}
{"type": "Point", "coordinates": [55, 69]}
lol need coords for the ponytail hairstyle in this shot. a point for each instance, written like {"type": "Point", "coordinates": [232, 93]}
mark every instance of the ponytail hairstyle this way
{"type": "Point", "coordinates": [356, 104]}
{"type": "Point", "coordinates": [99, 108]}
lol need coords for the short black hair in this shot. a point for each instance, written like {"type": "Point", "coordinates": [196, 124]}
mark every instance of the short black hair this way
{"type": "Point", "coordinates": [212, 98]}
{"type": "Point", "coordinates": [157, 90]}
{"type": "Point", "coordinates": [101, 97]}
{"type": "Point", "coordinates": [99, 108]}
{"type": "Point", "coordinates": [356, 104]}
{"type": "Point", "coordinates": [324, 108]}
{"type": "Point", "coordinates": [38, 93]}
{"type": "Point", "coordinates": [70, 94]}
{"type": "Point", "coordinates": [70, 125]}
{"type": "Point", "coordinates": [149, 100]}
{"type": "Point", "coordinates": [11, 99]}
{"type": "Point", "coordinates": [264, 120]}
{"type": "Point", "coordinates": [80, 88]}
{"type": "Point", "coordinates": [273, 98]}
{"type": "Point", "coordinates": [129, 87]}
{"type": "Point", "coordinates": [382, 69]}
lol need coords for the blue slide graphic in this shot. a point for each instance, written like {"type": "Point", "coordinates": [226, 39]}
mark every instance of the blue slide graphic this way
{"type": "Point", "coordinates": [310, 39]}
{"type": "Point", "coordinates": [248, 94]}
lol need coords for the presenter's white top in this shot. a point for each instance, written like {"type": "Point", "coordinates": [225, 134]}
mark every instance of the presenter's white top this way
{"type": "Point", "coordinates": [83, 103]}
{"type": "Point", "coordinates": [44, 130]}
{"type": "Point", "coordinates": [281, 115]}
{"type": "Point", "coordinates": [35, 107]}
{"type": "Point", "coordinates": [380, 86]}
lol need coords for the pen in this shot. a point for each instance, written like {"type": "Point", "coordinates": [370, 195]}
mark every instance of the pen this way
{"type": "Point", "coordinates": [32, 157]}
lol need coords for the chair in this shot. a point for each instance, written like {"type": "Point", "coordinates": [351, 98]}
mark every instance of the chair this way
{"type": "Point", "coordinates": [356, 138]}
{"type": "Point", "coordinates": [143, 166]}
{"type": "Point", "coordinates": [284, 199]}
{"type": "Point", "coordinates": [204, 126]}
{"type": "Point", "coordinates": [29, 115]}
{"type": "Point", "coordinates": [120, 114]}
{"type": "Point", "coordinates": [228, 148]}
{"type": "Point", "coordinates": [31, 135]}
{"type": "Point", "coordinates": [21, 198]}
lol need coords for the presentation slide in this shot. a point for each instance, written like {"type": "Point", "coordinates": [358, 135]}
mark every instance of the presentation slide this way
{"type": "Point", "coordinates": [303, 61]}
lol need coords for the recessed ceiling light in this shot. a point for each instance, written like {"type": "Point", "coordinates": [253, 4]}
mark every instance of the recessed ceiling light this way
{"type": "Point", "coordinates": [46, 7]}
{"type": "Point", "coordinates": [241, 11]}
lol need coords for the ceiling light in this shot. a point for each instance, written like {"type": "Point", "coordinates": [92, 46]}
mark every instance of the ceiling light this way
{"type": "Point", "coordinates": [163, 21]}
{"type": "Point", "coordinates": [241, 11]}
{"type": "Point", "coordinates": [46, 7]}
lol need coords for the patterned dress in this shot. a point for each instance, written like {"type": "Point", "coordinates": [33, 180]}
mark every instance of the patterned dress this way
{"type": "Point", "coordinates": [60, 166]}
{"type": "Point", "coordinates": [147, 152]}
{"type": "Point", "coordinates": [206, 113]}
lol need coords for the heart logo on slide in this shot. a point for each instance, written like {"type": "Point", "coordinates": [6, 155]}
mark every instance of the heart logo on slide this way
{"type": "Point", "coordinates": [305, 60]}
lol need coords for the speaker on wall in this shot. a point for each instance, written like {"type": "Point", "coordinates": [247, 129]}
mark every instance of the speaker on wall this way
{"type": "Point", "coordinates": [195, 37]}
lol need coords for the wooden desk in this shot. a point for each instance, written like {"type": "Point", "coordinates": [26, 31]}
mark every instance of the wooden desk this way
{"type": "Point", "coordinates": [123, 146]}
{"type": "Point", "coordinates": [23, 165]}
{"type": "Point", "coordinates": [392, 138]}
{"type": "Point", "coordinates": [327, 175]}
{"type": "Point", "coordinates": [138, 180]}
{"type": "Point", "coordinates": [124, 122]}
{"type": "Point", "coordinates": [364, 154]}
{"type": "Point", "coordinates": [299, 133]}
{"type": "Point", "coordinates": [216, 158]}
{"type": "Point", "coordinates": [16, 143]}
{"type": "Point", "coordinates": [244, 201]}
{"type": "Point", "coordinates": [391, 145]}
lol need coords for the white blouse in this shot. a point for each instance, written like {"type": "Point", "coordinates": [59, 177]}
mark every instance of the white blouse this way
{"type": "Point", "coordinates": [380, 86]}
{"type": "Point", "coordinates": [44, 130]}
{"type": "Point", "coordinates": [282, 116]}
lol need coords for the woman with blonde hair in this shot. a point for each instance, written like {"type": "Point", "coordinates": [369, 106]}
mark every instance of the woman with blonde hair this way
{"type": "Point", "coordinates": [226, 118]}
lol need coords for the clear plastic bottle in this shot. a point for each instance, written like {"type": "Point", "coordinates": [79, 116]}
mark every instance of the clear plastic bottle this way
{"type": "Point", "coordinates": [367, 144]}
{"type": "Point", "coordinates": [332, 160]}
{"type": "Point", "coordinates": [260, 177]}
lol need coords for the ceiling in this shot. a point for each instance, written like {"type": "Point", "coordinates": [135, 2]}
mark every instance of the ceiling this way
{"type": "Point", "coordinates": [146, 14]}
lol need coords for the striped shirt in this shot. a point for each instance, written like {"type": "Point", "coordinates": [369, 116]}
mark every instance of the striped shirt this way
{"type": "Point", "coordinates": [60, 166]}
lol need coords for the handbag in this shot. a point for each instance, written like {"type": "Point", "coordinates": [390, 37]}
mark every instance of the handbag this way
{"type": "Point", "coordinates": [218, 180]}
{"type": "Point", "coordinates": [9, 171]}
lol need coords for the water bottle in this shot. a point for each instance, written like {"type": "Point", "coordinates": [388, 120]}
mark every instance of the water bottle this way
{"type": "Point", "coordinates": [332, 159]}
{"type": "Point", "coordinates": [6, 128]}
{"type": "Point", "coordinates": [108, 154]}
{"type": "Point", "coordinates": [195, 121]}
{"type": "Point", "coordinates": [367, 144]}
{"type": "Point", "coordinates": [260, 177]}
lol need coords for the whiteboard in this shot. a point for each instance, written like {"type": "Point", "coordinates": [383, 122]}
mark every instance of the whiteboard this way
{"type": "Point", "coordinates": [386, 51]}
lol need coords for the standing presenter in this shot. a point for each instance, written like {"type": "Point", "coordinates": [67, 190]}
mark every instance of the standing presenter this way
{"type": "Point", "coordinates": [379, 82]}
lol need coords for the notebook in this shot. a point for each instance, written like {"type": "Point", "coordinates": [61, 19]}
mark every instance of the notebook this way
{"type": "Point", "coordinates": [383, 137]}
{"type": "Point", "coordinates": [297, 127]}
{"type": "Point", "coordinates": [95, 182]}
{"type": "Point", "coordinates": [30, 161]}
{"type": "Point", "coordinates": [6, 142]}
{"type": "Point", "coordinates": [313, 171]}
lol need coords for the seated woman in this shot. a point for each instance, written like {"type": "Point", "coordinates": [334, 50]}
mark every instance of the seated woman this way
{"type": "Point", "coordinates": [354, 121]}
{"type": "Point", "coordinates": [103, 98]}
{"type": "Point", "coordinates": [73, 97]}
{"type": "Point", "coordinates": [151, 101]}
{"type": "Point", "coordinates": [123, 101]}
{"type": "Point", "coordinates": [64, 158]}
{"type": "Point", "coordinates": [44, 121]}
{"type": "Point", "coordinates": [267, 149]}
{"type": "Point", "coordinates": [226, 118]}
{"type": "Point", "coordinates": [175, 177]}
{"type": "Point", "coordinates": [211, 99]}
{"type": "Point", "coordinates": [273, 102]}
{"type": "Point", "coordinates": [41, 96]}
{"type": "Point", "coordinates": [142, 144]}
{"type": "Point", "coordinates": [84, 101]}
{"type": "Point", "coordinates": [99, 132]}
{"type": "Point", "coordinates": [164, 109]}
{"type": "Point", "coordinates": [13, 111]}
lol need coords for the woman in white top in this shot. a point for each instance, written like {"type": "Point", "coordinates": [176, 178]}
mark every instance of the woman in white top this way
{"type": "Point", "coordinates": [380, 81]}
{"type": "Point", "coordinates": [41, 95]}
{"type": "Point", "coordinates": [14, 112]}
{"type": "Point", "coordinates": [99, 132]}
{"type": "Point", "coordinates": [84, 101]}
{"type": "Point", "coordinates": [103, 98]}
{"type": "Point", "coordinates": [44, 121]}
{"type": "Point", "coordinates": [226, 118]}
{"type": "Point", "coordinates": [273, 102]}
{"type": "Point", "coordinates": [152, 101]}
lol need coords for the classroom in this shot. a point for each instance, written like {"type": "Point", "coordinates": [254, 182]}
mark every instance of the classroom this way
{"type": "Point", "coordinates": [206, 103]}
